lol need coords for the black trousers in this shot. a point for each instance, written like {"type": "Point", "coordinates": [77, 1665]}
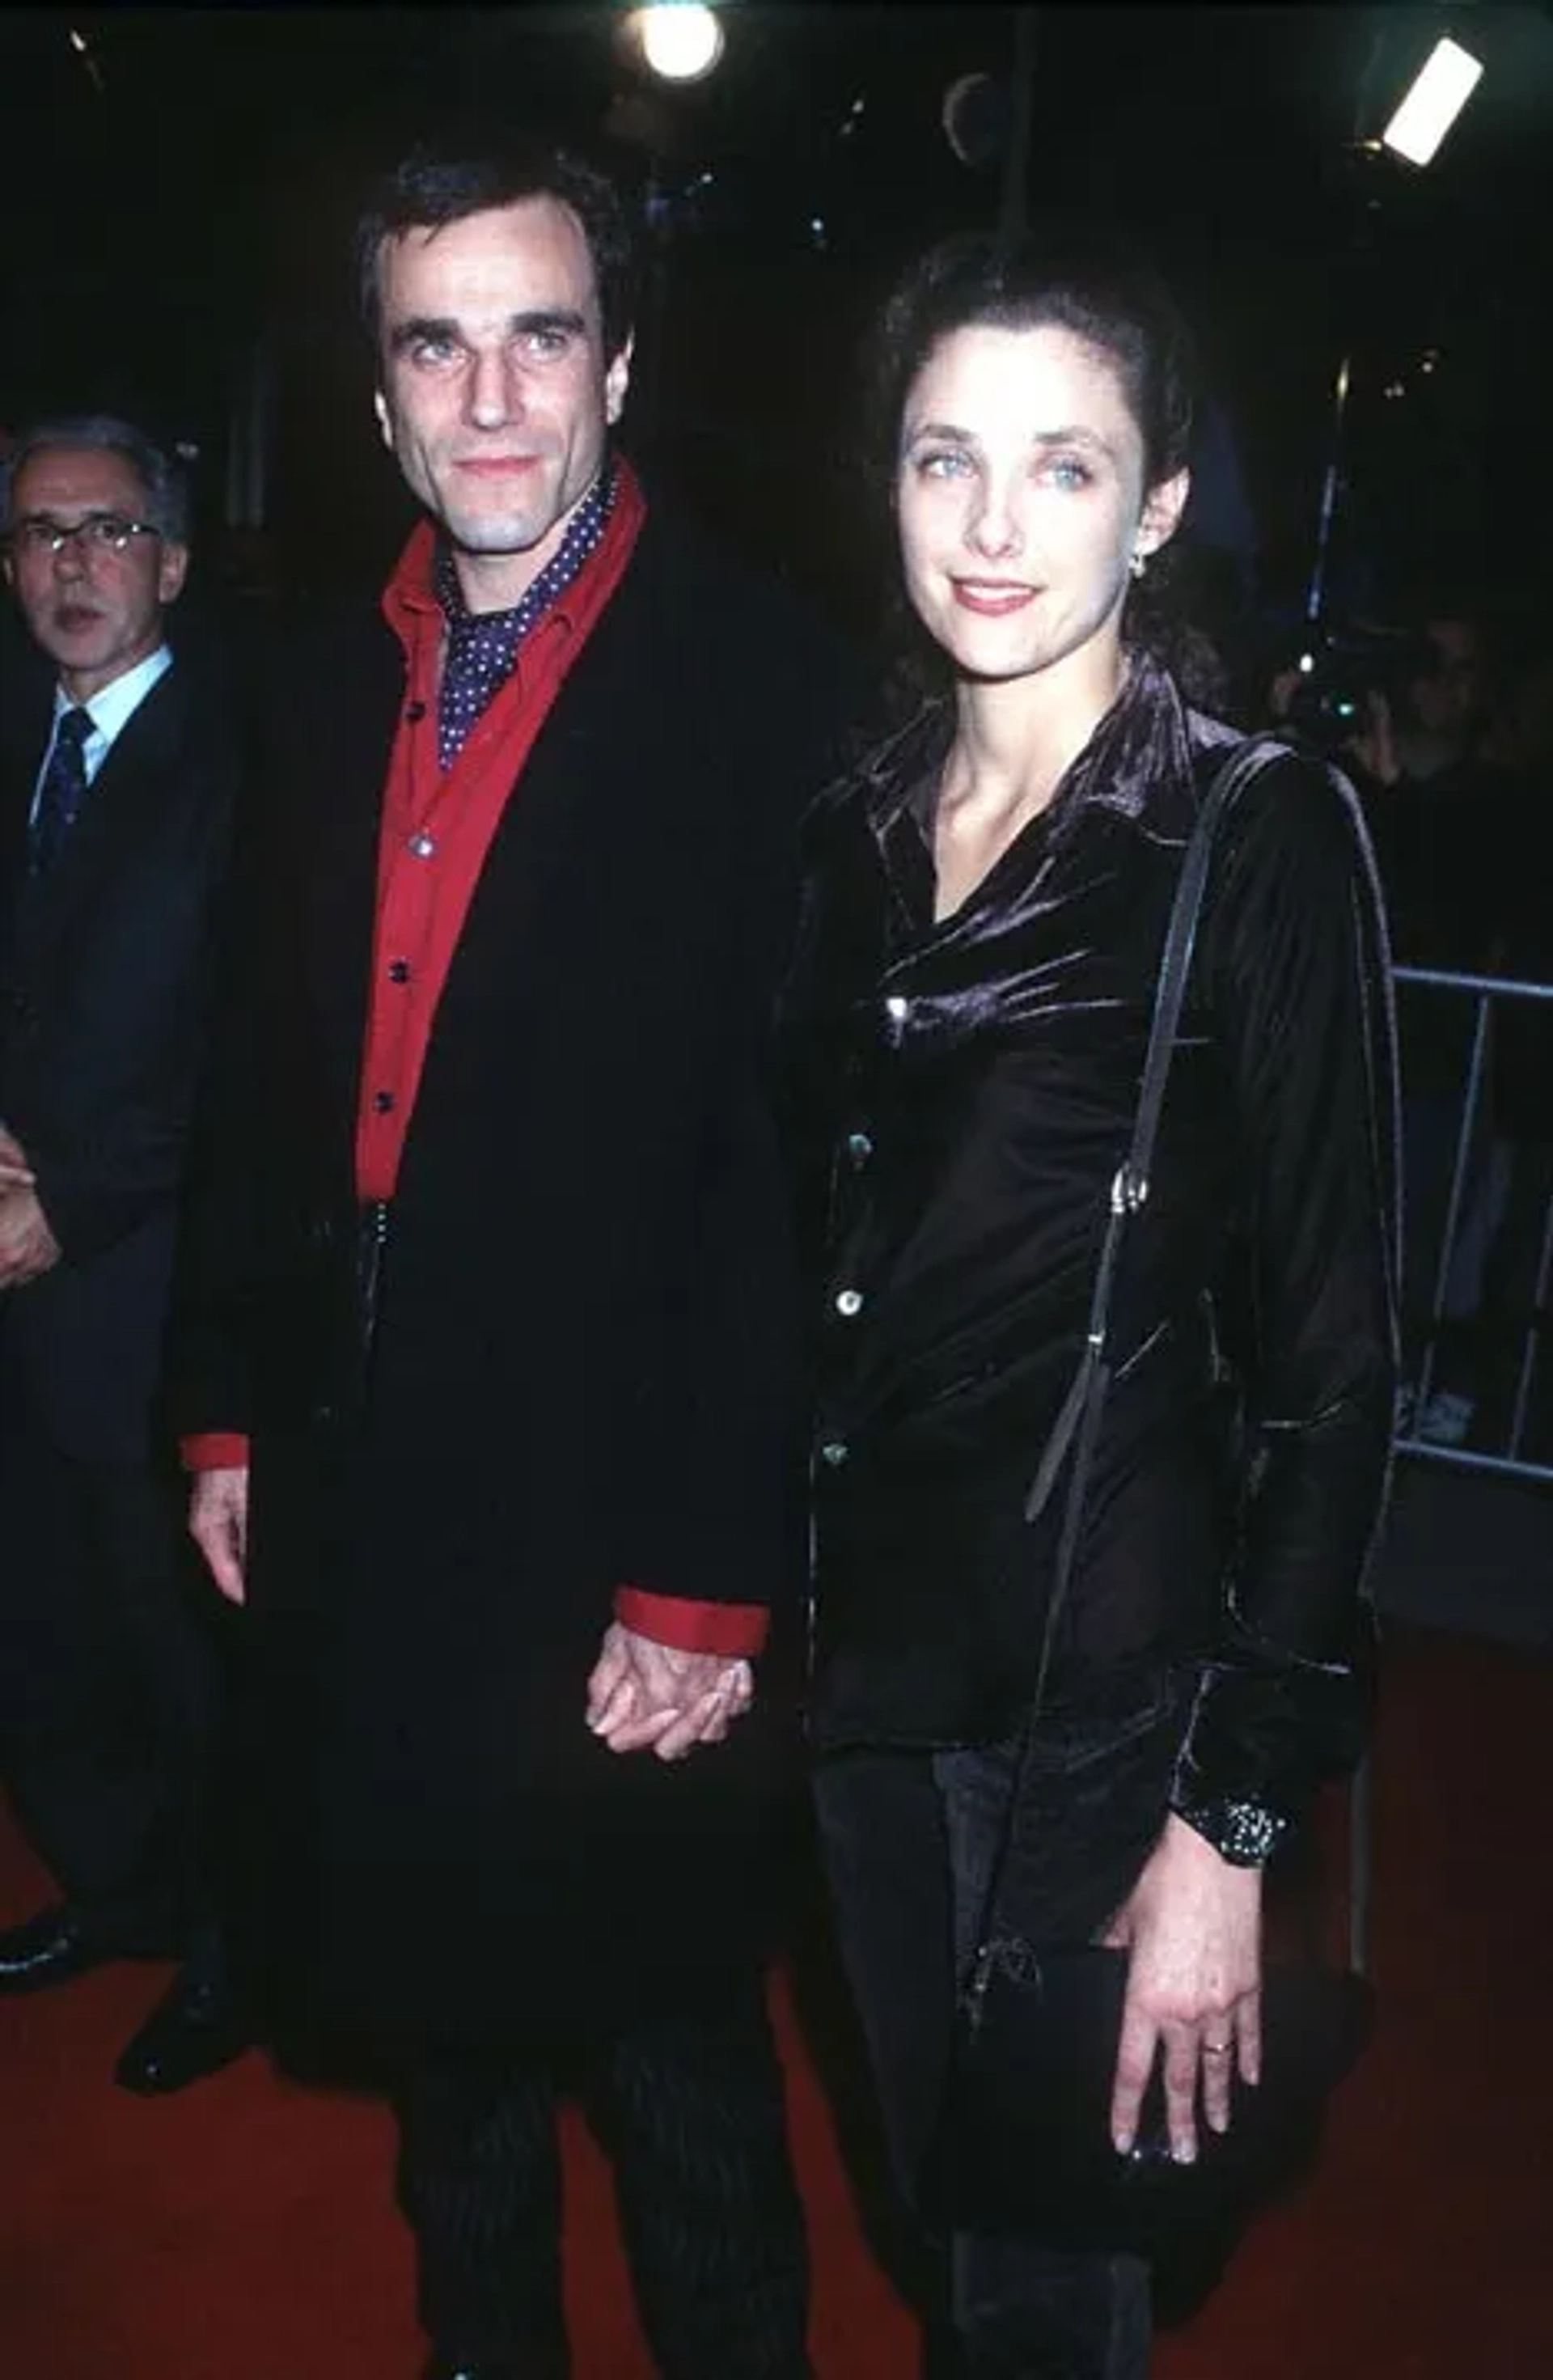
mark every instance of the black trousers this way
{"type": "Point", "coordinates": [109, 1659]}
{"type": "Point", "coordinates": [908, 1840]}
{"type": "Point", "coordinates": [692, 2113]}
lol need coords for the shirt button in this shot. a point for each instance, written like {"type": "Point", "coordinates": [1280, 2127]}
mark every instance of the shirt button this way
{"type": "Point", "coordinates": [423, 845]}
{"type": "Point", "coordinates": [849, 1301]}
{"type": "Point", "coordinates": [835, 1451]}
{"type": "Point", "coordinates": [897, 1008]}
{"type": "Point", "coordinates": [415, 713]}
{"type": "Point", "coordinates": [384, 1102]}
{"type": "Point", "coordinates": [859, 1147]}
{"type": "Point", "coordinates": [398, 971]}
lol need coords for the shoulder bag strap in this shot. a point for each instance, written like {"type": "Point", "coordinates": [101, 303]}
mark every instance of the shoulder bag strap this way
{"type": "Point", "coordinates": [1078, 1424]}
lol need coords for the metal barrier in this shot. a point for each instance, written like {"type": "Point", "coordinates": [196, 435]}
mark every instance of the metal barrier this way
{"type": "Point", "coordinates": [1489, 996]}
{"type": "Point", "coordinates": [1530, 1190]}
{"type": "Point", "coordinates": [1516, 1367]}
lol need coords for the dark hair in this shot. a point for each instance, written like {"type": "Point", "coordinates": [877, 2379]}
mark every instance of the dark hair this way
{"type": "Point", "coordinates": [432, 187]}
{"type": "Point", "coordinates": [1081, 280]}
{"type": "Point", "coordinates": [164, 482]}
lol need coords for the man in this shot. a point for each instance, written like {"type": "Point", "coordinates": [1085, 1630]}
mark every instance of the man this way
{"type": "Point", "coordinates": [491, 1274]}
{"type": "Point", "coordinates": [115, 791]}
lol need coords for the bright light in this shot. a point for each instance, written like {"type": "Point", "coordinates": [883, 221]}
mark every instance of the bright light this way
{"type": "Point", "coordinates": [681, 39]}
{"type": "Point", "coordinates": [77, 42]}
{"type": "Point", "coordinates": [1443, 85]}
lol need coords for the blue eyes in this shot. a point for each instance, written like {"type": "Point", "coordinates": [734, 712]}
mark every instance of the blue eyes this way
{"type": "Point", "coordinates": [1065, 472]}
{"type": "Point", "coordinates": [538, 347]}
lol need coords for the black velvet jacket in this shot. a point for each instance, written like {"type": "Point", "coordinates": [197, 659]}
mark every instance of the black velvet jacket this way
{"type": "Point", "coordinates": [960, 1096]}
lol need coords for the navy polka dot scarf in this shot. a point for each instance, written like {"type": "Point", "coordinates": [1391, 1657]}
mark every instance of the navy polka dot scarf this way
{"type": "Point", "coordinates": [483, 646]}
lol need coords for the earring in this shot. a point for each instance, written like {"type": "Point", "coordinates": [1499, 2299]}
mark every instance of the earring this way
{"type": "Point", "coordinates": [1138, 564]}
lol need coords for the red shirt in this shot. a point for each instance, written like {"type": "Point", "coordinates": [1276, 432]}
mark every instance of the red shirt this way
{"type": "Point", "coordinates": [436, 831]}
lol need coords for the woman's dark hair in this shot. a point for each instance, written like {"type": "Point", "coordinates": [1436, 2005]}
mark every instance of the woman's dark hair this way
{"type": "Point", "coordinates": [1082, 279]}
{"type": "Point", "coordinates": [1088, 282]}
{"type": "Point", "coordinates": [432, 188]}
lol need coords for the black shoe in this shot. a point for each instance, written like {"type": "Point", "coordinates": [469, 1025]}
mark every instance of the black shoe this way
{"type": "Point", "coordinates": [49, 1949]}
{"type": "Point", "coordinates": [198, 2026]}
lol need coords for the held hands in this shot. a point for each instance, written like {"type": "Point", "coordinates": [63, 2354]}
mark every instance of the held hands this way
{"type": "Point", "coordinates": [15, 1171]}
{"type": "Point", "coordinates": [28, 1248]}
{"type": "Point", "coordinates": [1193, 1924]}
{"type": "Point", "coordinates": [645, 1696]}
{"type": "Point", "coordinates": [218, 1524]}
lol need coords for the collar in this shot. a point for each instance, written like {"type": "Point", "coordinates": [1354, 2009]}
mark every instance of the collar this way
{"type": "Point", "coordinates": [113, 706]}
{"type": "Point", "coordinates": [1140, 745]}
{"type": "Point", "coordinates": [511, 623]}
{"type": "Point", "coordinates": [410, 599]}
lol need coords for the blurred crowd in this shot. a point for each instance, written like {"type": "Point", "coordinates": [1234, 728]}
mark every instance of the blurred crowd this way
{"type": "Point", "coordinates": [1443, 719]}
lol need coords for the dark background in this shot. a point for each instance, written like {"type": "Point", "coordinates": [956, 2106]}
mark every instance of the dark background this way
{"type": "Point", "coordinates": [177, 204]}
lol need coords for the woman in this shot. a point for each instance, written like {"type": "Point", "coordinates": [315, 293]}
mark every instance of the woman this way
{"type": "Point", "coordinates": [985, 906]}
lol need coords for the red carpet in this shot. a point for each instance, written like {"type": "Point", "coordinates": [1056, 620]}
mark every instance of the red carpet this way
{"type": "Point", "coordinates": [245, 2231]}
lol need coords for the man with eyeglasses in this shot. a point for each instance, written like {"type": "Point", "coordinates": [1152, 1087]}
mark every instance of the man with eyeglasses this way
{"type": "Point", "coordinates": [116, 779]}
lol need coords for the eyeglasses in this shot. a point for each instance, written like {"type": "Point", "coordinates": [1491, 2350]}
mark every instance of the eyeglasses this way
{"type": "Point", "coordinates": [40, 533]}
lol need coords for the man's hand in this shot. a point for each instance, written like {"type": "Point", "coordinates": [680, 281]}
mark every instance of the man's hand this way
{"type": "Point", "coordinates": [643, 1695]}
{"type": "Point", "coordinates": [28, 1248]}
{"type": "Point", "coordinates": [1193, 1924]}
{"type": "Point", "coordinates": [218, 1524]}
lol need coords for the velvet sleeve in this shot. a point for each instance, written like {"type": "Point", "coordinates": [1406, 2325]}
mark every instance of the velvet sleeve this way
{"type": "Point", "coordinates": [1299, 982]}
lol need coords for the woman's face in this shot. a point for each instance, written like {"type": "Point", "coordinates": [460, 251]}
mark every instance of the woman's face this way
{"type": "Point", "coordinates": [1020, 498]}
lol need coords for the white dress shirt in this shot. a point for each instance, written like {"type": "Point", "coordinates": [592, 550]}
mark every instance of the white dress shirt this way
{"type": "Point", "coordinates": [110, 711]}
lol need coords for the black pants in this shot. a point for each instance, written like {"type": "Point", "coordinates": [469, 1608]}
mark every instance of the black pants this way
{"type": "Point", "coordinates": [692, 2113]}
{"type": "Point", "coordinates": [908, 1841]}
{"type": "Point", "coordinates": [109, 1654]}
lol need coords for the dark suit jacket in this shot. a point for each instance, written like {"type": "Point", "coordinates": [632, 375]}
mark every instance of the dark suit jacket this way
{"type": "Point", "coordinates": [105, 993]}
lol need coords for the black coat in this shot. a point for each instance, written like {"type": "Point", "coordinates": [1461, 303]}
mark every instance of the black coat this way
{"type": "Point", "coordinates": [106, 973]}
{"type": "Point", "coordinates": [963, 1095]}
{"type": "Point", "coordinates": [583, 1373]}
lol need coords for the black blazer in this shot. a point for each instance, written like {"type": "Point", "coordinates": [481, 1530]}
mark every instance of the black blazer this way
{"type": "Point", "coordinates": [105, 993]}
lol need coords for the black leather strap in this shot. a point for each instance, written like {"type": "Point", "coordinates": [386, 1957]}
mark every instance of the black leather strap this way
{"type": "Point", "coordinates": [1077, 1427]}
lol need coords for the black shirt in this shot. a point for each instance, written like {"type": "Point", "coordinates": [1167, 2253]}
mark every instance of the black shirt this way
{"type": "Point", "coordinates": [961, 1095]}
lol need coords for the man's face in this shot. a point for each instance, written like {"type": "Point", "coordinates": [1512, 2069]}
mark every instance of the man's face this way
{"type": "Point", "coordinates": [496, 395]}
{"type": "Point", "coordinates": [95, 612]}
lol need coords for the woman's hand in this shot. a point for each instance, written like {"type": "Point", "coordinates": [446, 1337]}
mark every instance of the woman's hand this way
{"type": "Point", "coordinates": [1194, 1926]}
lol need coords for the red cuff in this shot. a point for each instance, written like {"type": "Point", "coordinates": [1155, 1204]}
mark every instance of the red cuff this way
{"type": "Point", "coordinates": [216, 1450]}
{"type": "Point", "coordinates": [737, 1631]}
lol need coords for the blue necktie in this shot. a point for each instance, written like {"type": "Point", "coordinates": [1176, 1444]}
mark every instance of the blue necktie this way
{"type": "Point", "coordinates": [63, 790]}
